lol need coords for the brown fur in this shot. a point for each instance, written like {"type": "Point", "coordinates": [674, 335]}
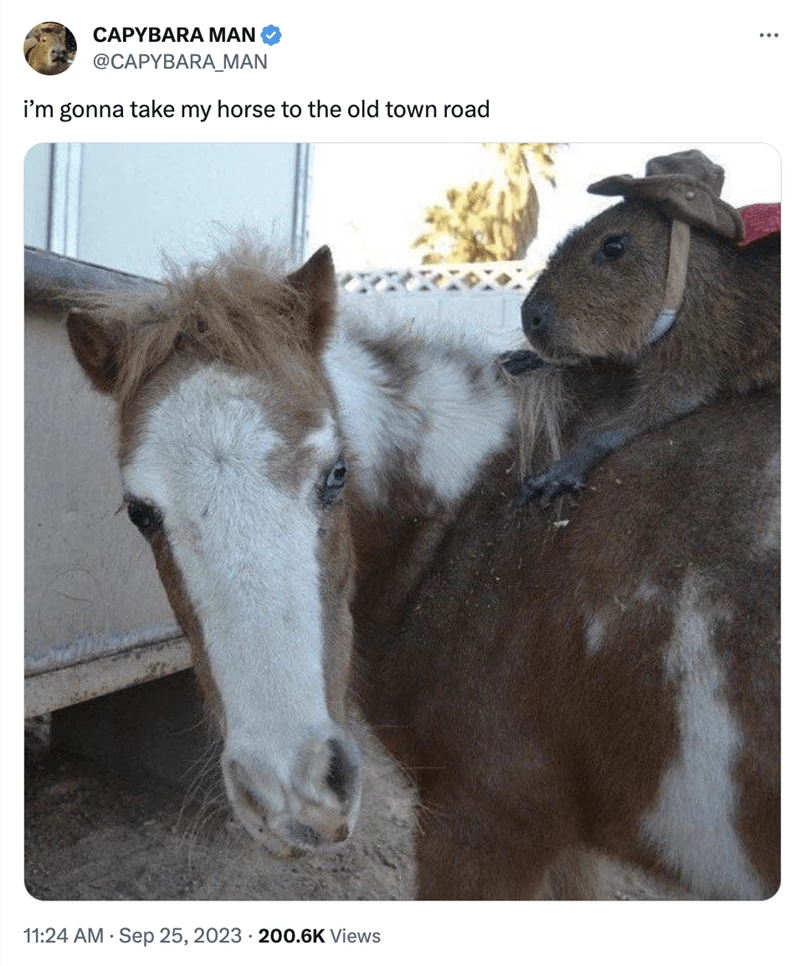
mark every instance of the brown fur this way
{"type": "Point", "coordinates": [585, 308]}
{"type": "Point", "coordinates": [46, 48]}
{"type": "Point", "coordinates": [524, 745]}
{"type": "Point", "coordinates": [534, 748]}
{"type": "Point", "coordinates": [239, 309]}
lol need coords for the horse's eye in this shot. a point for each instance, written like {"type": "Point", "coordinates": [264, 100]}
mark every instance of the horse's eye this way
{"type": "Point", "coordinates": [144, 516]}
{"type": "Point", "coordinates": [335, 479]}
{"type": "Point", "coordinates": [614, 246]}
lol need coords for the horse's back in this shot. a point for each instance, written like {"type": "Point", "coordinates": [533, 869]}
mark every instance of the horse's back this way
{"type": "Point", "coordinates": [608, 670]}
{"type": "Point", "coordinates": [677, 554]}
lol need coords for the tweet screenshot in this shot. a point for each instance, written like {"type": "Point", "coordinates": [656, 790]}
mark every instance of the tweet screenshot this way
{"type": "Point", "coordinates": [391, 483]}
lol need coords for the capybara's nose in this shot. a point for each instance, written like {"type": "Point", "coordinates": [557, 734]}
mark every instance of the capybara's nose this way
{"type": "Point", "coordinates": [537, 317]}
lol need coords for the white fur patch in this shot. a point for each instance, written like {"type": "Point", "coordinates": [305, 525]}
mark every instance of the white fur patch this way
{"type": "Point", "coordinates": [595, 634]}
{"type": "Point", "coordinates": [442, 422]}
{"type": "Point", "coordinates": [324, 439]}
{"type": "Point", "coordinates": [246, 550]}
{"type": "Point", "coordinates": [371, 417]}
{"type": "Point", "coordinates": [462, 428]}
{"type": "Point", "coordinates": [691, 825]}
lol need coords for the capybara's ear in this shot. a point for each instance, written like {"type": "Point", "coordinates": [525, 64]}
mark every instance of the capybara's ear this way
{"type": "Point", "coordinates": [96, 346]}
{"type": "Point", "coordinates": [316, 281]}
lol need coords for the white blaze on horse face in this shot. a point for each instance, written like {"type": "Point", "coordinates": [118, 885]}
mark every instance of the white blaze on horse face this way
{"type": "Point", "coordinates": [246, 547]}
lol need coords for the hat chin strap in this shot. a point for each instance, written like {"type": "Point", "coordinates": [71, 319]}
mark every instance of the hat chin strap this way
{"type": "Point", "coordinates": [679, 241]}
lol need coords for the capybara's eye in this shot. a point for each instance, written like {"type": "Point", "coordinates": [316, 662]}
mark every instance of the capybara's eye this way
{"type": "Point", "coordinates": [613, 246]}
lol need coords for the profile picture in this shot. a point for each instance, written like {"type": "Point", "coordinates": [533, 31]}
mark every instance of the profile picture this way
{"type": "Point", "coordinates": [50, 48]}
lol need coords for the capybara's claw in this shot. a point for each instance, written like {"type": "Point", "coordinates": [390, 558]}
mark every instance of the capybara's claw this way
{"type": "Point", "coordinates": [520, 361]}
{"type": "Point", "coordinates": [546, 486]}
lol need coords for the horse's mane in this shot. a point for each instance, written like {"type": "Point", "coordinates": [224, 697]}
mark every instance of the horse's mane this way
{"type": "Point", "coordinates": [237, 308]}
{"type": "Point", "coordinates": [545, 404]}
{"type": "Point", "coordinates": [240, 309]}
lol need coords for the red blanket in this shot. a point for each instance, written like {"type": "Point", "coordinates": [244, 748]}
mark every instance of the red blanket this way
{"type": "Point", "coordinates": [759, 221]}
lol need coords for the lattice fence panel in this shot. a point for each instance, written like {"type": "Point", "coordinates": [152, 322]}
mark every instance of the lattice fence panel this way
{"type": "Point", "coordinates": [475, 278]}
{"type": "Point", "coordinates": [484, 297]}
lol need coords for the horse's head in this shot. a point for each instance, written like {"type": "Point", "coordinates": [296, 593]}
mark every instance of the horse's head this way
{"type": "Point", "coordinates": [234, 471]}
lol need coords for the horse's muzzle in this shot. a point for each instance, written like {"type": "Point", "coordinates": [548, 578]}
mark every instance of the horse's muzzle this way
{"type": "Point", "coordinates": [314, 806]}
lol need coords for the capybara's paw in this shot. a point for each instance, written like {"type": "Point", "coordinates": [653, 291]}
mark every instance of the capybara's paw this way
{"type": "Point", "coordinates": [556, 479]}
{"type": "Point", "coordinates": [520, 361]}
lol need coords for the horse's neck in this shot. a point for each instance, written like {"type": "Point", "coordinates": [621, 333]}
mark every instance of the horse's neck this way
{"type": "Point", "coordinates": [422, 417]}
{"type": "Point", "coordinates": [424, 421]}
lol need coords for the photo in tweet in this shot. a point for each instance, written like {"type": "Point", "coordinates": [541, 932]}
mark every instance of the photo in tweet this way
{"type": "Point", "coordinates": [454, 500]}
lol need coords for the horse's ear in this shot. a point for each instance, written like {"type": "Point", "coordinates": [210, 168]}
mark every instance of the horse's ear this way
{"type": "Point", "coordinates": [316, 281]}
{"type": "Point", "coordinates": [96, 347]}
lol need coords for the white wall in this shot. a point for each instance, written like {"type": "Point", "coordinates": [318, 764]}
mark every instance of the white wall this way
{"type": "Point", "coordinates": [37, 195]}
{"type": "Point", "coordinates": [137, 201]}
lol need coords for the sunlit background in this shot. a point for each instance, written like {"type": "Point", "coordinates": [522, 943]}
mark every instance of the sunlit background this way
{"type": "Point", "coordinates": [368, 201]}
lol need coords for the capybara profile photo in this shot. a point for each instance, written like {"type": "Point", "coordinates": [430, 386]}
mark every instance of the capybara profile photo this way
{"type": "Point", "coordinates": [50, 48]}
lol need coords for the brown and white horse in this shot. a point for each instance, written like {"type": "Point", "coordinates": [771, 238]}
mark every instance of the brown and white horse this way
{"type": "Point", "coordinates": [315, 492]}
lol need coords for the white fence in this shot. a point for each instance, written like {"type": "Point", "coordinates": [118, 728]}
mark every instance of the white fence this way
{"type": "Point", "coordinates": [484, 297]}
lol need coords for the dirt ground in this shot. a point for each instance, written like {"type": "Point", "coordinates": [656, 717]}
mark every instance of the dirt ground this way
{"type": "Point", "coordinates": [93, 833]}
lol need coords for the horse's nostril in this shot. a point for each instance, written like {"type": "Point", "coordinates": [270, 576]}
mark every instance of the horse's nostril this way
{"type": "Point", "coordinates": [304, 835]}
{"type": "Point", "coordinates": [536, 321]}
{"type": "Point", "coordinates": [341, 772]}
